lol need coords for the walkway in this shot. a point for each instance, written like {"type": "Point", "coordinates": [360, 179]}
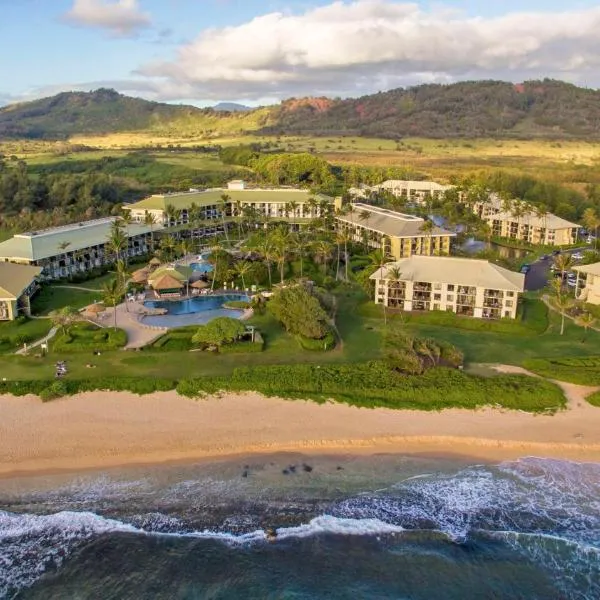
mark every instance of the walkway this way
{"type": "Point", "coordinates": [546, 300]}
{"type": "Point", "coordinates": [80, 288]}
{"type": "Point", "coordinates": [138, 334]}
{"type": "Point", "coordinates": [37, 343]}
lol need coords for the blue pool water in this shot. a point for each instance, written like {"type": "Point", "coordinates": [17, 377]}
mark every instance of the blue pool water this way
{"type": "Point", "coordinates": [193, 311]}
{"type": "Point", "coordinates": [201, 267]}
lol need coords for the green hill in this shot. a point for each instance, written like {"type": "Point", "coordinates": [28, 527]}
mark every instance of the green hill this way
{"type": "Point", "coordinates": [544, 109]}
{"type": "Point", "coordinates": [550, 109]}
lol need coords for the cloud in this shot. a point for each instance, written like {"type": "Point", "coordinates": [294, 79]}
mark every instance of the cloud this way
{"type": "Point", "coordinates": [119, 17]}
{"type": "Point", "coordinates": [348, 48]}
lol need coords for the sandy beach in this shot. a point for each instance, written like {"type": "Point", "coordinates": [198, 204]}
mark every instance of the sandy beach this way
{"type": "Point", "coordinates": [102, 429]}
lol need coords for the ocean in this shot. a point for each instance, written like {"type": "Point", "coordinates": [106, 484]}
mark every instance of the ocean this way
{"type": "Point", "coordinates": [347, 527]}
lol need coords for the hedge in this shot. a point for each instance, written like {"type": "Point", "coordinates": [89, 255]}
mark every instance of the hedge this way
{"type": "Point", "coordinates": [241, 347]}
{"type": "Point", "coordinates": [238, 304]}
{"type": "Point", "coordinates": [82, 337]}
{"type": "Point", "coordinates": [594, 399]}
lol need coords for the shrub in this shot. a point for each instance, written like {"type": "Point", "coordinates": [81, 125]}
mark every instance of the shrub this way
{"type": "Point", "coordinates": [322, 344]}
{"type": "Point", "coordinates": [238, 304]}
{"type": "Point", "coordinates": [299, 312]}
{"type": "Point", "coordinates": [241, 347]}
{"type": "Point", "coordinates": [83, 337]}
{"type": "Point", "coordinates": [594, 399]}
{"type": "Point", "coordinates": [57, 389]}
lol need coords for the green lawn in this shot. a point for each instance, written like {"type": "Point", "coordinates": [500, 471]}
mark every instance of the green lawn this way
{"type": "Point", "coordinates": [14, 333]}
{"type": "Point", "coordinates": [51, 297]}
{"type": "Point", "coordinates": [361, 327]}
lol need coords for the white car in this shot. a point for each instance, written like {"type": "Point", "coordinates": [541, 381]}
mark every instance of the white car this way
{"type": "Point", "coordinates": [577, 256]}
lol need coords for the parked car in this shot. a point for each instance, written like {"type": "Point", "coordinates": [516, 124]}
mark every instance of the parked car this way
{"type": "Point", "coordinates": [577, 256]}
{"type": "Point", "coordinates": [525, 269]}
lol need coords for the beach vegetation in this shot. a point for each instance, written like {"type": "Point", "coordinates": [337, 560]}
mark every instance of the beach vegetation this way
{"type": "Point", "coordinates": [13, 334]}
{"type": "Point", "coordinates": [583, 370]}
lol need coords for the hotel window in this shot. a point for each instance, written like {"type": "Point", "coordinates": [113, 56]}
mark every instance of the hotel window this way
{"type": "Point", "coordinates": [450, 288]}
{"type": "Point", "coordinates": [510, 294]}
{"type": "Point", "coordinates": [508, 303]}
{"type": "Point", "coordinates": [436, 307]}
{"type": "Point", "coordinates": [450, 298]}
{"type": "Point", "coordinates": [437, 296]}
{"type": "Point", "coordinates": [437, 286]}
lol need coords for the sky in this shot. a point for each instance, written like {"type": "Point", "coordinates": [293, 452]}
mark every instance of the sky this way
{"type": "Point", "coordinates": [260, 52]}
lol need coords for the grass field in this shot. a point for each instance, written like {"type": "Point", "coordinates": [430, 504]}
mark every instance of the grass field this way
{"type": "Point", "coordinates": [573, 163]}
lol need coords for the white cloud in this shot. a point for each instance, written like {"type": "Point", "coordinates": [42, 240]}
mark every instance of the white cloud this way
{"type": "Point", "coordinates": [119, 17]}
{"type": "Point", "coordinates": [348, 48]}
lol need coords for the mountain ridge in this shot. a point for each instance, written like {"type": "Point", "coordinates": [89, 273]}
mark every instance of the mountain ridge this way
{"type": "Point", "coordinates": [540, 108]}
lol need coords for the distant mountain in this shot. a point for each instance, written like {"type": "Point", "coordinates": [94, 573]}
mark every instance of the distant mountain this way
{"type": "Point", "coordinates": [548, 108]}
{"type": "Point", "coordinates": [231, 107]}
{"type": "Point", "coordinates": [544, 109]}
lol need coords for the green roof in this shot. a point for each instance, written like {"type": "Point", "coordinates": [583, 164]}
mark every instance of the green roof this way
{"type": "Point", "coordinates": [210, 197]}
{"type": "Point", "coordinates": [179, 272]}
{"type": "Point", "coordinates": [45, 243]}
{"type": "Point", "coordinates": [15, 278]}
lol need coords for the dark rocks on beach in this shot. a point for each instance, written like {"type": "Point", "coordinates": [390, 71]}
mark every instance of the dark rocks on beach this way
{"type": "Point", "coordinates": [338, 468]}
{"type": "Point", "coordinates": [271, 534]}
{"type": "Point", "coordinates": [285, 472]}
{"type": "Point", "coordinates": [292, 468]}
{"type": "Point", "coordinates": [245, 473]}
{"type": "Point", "coordinates": [306, 468]}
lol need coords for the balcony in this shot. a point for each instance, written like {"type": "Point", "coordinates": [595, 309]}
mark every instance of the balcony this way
{"type": "Point", "coordinates": [422, 287]}
{"type": "Point", "coordinates": [421, 297]}
{"type": "Point", "coordinates": [465, 301]}
{"type": "Point", "coordinates": [493, 294]}
{"type": "Point", "coordinates": [492, 303]}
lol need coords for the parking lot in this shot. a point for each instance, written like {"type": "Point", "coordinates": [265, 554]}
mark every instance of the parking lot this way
{"type": "Point", "coordinates": [539, 273]}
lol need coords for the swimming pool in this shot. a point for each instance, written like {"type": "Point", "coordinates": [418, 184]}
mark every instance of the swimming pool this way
{"type": "Point", "coordinates": [201, 267]}
{"type": "Point", "coordinates": [192, 311]}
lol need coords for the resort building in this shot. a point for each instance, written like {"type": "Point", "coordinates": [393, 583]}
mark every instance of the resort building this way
{"type": "Point", "coordinates": [413, 191]}
{"type": "Point", "coordinates": [170, 281]}
{"type": "Point", "coordinates": [236, 200]}
{"type": "Point", "coordinates": [18, 283]}
{"type": "Point", "coordinates": [546, 229]}
{"type": "Point", "coordinates": [474, 288]}
{"type": "Point", "coordinates": [71, 249]}
{"type": "Point", "coordinates": [397, 234]}
{"type": "Point", "coordinates": [587, 287]}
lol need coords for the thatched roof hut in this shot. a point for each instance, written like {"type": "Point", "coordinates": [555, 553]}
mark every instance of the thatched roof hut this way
{"type": "Point", "coordinates": [200, 284]}
{"type": "Point", "coordinates": [155, 262]}
{"type": "Point", "coordinates": [167, 285]}
{"type": "Point", "coordinates": [95, 308]}
{"type": "Point", "coordinates": [141, 275]}
{"type": "Point", "coordinates": [179, 272]}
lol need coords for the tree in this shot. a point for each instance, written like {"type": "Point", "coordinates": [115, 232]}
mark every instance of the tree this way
{"type": "Point", "coordinates": [172, 215]}
{"type": "Point", "coordinates": [300, 312]}
{"type": "Point", "coordinates": [64, 317]}
{"type": "Point", "coordinates": [185, 247]}
{"type": "Point", "coordinates": [427, 229]}
{"type": "Point", "coordinates": [394, 278]}
{"type": "Point", "coordinates": [117, 240]}
{"type": "Point", "coordinates": [167, 249]}
{"type": "Point", "coordinates": [241, 269]}
{"type": "Point", "coordinates": [591, 222]}
{"type": "Point", "coordinates": [585, 320]}
{"type": "Point", "coordinates": [150, 221]}
{"type": "Point", "coordinates": [218, 332]}
{"type": "Point", "coordinates": [113, 293]}
{"type": "Point", "coordinates": [563, 263]}
{"type": "Point", "coordinates": [223, 201]}
{"type": "Point", "coordinates": [322, 250]}
{"type": "Point", "coordinates": [562, 303]}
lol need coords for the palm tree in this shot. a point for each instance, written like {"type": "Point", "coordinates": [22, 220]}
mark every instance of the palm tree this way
{"type": "Point", "coordinates": [322, 250]}
{"type": "Point", "coordinates": [167, 248]}
{"type": "Point", "coordinates": [215, 253]}
{"type": "Point", "coordinates": [185, 247]}
{"type": "Point", "coordinates": [377, 259]}
{"type": "Point", "coordinates": [150, 221]}
{"type": "Point", "coordinates": [117, 241]}
{"type": "Point", "coordinates": [591, 222]}
{"type": "Point", "coordinates": [562, 303]}
{"type": "Point", "coordinates": [563, 263]}
{"type": "Point", "coordinates": [301, 245]}
{"type": "Point", "coordinates": [280, 238]}
{"type": "Point", "coordinates": [113, 292]}
{"type": "Point", "coordinates": [427, 229]}
{"type": "Point", "coordinates": [241, 269]}
{"type": "Point", "coordinates": [172, 215]}
{"type": "Point", "coordinates": [223, 201]}
{"type": "Point", "coordinates": [394, 277]}
{"type": "Point", "coordinates": [585, 320]}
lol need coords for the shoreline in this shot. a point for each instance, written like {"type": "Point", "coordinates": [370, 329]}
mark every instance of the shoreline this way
{"type": "Point", "coordinates": [99, 430]}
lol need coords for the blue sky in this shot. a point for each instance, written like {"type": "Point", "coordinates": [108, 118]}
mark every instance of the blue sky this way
{"type": "Point", "coordinates": [203, 51]}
